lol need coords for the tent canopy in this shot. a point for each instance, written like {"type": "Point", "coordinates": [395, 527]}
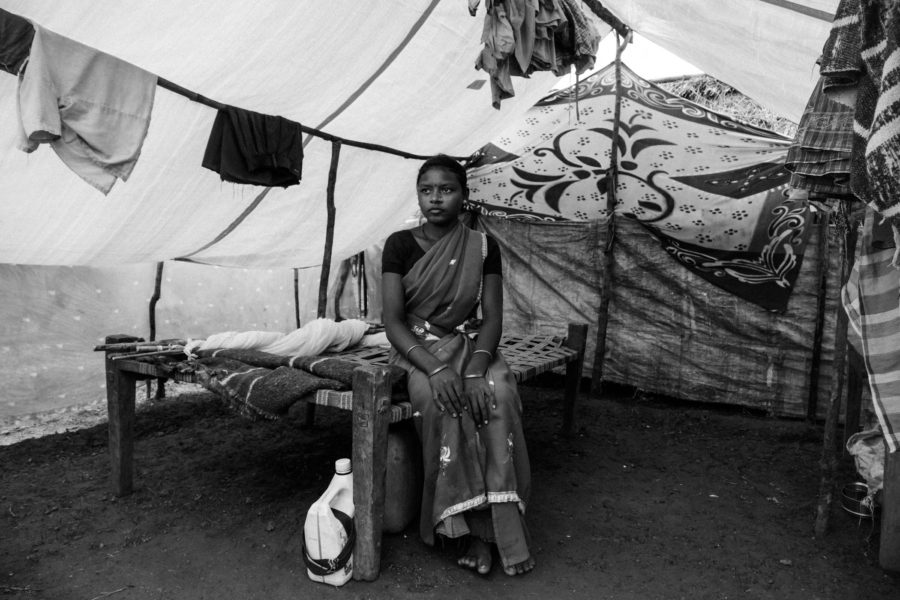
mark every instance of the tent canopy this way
{"type": "Point", "coordinates": [395, 73]}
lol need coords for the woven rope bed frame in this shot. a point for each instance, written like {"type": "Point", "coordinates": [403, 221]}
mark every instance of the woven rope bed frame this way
{"type": "Point", "coordinates": [373, 409]}
{"type": "Point", "coordinates": [527, 356]}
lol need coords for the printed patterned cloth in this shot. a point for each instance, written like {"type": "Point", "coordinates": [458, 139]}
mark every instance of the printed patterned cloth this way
{"type": "Point", "coordinates": [713, 191]}
{"type": "Point", "coordinates": [870, 298]}
{"type": "Point", "coordinates": [840, 63]}
{"type": "Point", "coordinates": [878, 110]}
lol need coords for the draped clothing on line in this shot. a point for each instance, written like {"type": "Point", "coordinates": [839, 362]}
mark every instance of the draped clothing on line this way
{"type": "Point", "coordinates": [476, 480]}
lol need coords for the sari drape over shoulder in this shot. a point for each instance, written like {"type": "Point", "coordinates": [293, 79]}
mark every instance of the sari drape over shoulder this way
{"type": "Point", "coordinates": [476, 480]}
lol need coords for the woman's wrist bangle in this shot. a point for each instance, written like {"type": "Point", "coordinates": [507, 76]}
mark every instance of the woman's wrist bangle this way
{"type": "Point", "coordinates": [473, 376]}
{"type": "Point", "coordinates": [488, 352]}
{"type": "Point", "coordinates": [410, 349]}
{"type": "Point", "coordinates": [438, 370]}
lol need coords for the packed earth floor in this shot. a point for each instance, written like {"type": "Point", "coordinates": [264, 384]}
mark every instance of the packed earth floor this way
{"type": "Point", "coordinates": [651, 499]}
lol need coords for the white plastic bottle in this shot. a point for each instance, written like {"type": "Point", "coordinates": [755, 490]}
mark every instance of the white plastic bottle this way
{"type": "Point", "coordinates": [328, 530]}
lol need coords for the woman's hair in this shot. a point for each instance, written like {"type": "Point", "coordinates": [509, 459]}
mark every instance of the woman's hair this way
{"type": "Point", "coordinates": [442, 161]}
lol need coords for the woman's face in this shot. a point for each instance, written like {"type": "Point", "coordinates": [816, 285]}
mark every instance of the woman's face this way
{"type": "Point", "coordinates": [441, 196]}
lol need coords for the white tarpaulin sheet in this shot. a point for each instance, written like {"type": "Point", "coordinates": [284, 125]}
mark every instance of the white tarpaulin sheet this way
{"type": "Point", "coordinates": [399, 74]}
{"type": "Point", "coordinates": [767, 49]}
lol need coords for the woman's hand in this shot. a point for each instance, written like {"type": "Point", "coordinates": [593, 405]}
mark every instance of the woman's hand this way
{"type": "Point", "coordinates": [480, 398]}
{"type": "Point", "coordinates": [447, 391]}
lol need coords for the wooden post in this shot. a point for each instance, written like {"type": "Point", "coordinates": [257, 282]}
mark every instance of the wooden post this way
{"type": "Point", "coordinates": [576, 339]}
{"type": "Point", "coordinates": [120, 410]}
{"type": "Point", "coordinates": [856, 381]}
{"type": "Point", "coordinates": [889, 546]}
{"type": "Point", "coordinates": [812, 404]}
{"type": "Point", "coordinates": [828, 462]}
{"type": "Point", "coordinates": [310, 417]}
{"type": "Point", "coordinates": [154, 299]}
{"type": "Point", "coordinates": [608, 259]}
{"type": "Point", "coordinates": [329, 230]}
{"type": "Point", "coordinates": [297, 297]}
{"type": "Point", "coordinates": [371, 417]}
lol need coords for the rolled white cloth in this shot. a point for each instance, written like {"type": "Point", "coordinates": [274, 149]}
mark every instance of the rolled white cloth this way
{"type": "Point", "coordinates": [312, 339]}
{"type": "Point", "coordinates": [235, 340]}
{"type": "Point", "coordinates": [317, 336]}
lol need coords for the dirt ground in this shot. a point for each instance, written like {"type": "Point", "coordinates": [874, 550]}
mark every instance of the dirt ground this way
{"type": "Point", "coordinates": [653, 499]}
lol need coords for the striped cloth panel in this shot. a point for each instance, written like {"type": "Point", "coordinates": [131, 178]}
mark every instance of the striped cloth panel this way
{"type": "Point", "coordinates": [871, 298]}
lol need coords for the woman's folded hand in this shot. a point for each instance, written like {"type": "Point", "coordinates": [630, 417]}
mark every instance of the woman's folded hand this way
{"type": "Point", "coordinates": [479, 396]}
{"type": "Point", "coordinates": [447, 391]}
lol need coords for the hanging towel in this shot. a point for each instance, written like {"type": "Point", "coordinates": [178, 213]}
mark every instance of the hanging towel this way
{"type": "Point", "coordinates": [249, 147]}
{"type": "Point", "coordinates": [16, 35]}
{"type": "Point", "coordinates": [93, 109]}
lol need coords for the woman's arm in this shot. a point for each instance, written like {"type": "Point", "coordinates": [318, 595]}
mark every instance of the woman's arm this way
{"type": "Point", "coordinates": [479, 394]}
{"type": "Point", "coordinates": [491, 325]}
{"type": "Point", "coordinates": [446, 385]}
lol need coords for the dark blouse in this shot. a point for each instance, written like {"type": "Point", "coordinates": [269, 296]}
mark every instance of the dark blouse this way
{"type": "Point", "coordinates": [401, 251]}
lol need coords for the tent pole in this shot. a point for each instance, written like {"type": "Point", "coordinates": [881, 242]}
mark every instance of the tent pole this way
{"type": "Point", "coordinates": [329, 230]}
{"type": "Point", "coordinates": [326, 258]}
{"type": "Point", "coordinates": [157, 294]}
{"type": "Point", "coordinates": [612, 181]}
{"type": "Point", "coordinates": [812, 403]}
{"type": "Point", "coordinates": [297, 297]}
{"type": "Point", "coordinates": [829, 461]}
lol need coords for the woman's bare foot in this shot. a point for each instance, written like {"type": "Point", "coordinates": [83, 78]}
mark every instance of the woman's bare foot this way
{"type": "Point", "coordinates": [478, 557]}
{"type": "Point", "coordinates": [520, 568]}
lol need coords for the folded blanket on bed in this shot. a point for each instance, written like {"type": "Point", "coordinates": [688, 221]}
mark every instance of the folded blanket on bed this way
{"type": "Point", "coordinates": [258, 391]}
{"type": "Point", "coordinates": [329, 367]}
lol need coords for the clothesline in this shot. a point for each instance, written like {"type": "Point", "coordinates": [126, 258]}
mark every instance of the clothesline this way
{"type": "Point", "coordinates": [195, 97]}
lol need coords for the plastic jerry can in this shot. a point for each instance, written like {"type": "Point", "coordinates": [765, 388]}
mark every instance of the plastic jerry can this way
{"type": "Point", "coordinates": [329, 534]}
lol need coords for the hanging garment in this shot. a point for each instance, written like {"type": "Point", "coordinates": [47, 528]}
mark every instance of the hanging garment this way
{"type": "Point", "coordinates": [870, 299]}
{"type": "Point", "coordinates": [819, 157]}
{"type": "Point", "coordinates": [93, 109]}
{"type": "Point", "coordinates": [840, 63]}
{"type": "Point", "coordinates": [878, 109]}
{"type": "Point", "coordinates": [16, 35]}
{"type": "Point", "coordinates": [523, 36]}
{"type": "Point", "coordinates": [249, 147]}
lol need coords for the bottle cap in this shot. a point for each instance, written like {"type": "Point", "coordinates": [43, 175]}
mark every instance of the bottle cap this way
{"type": "Point", "coordinates": [342, 466]}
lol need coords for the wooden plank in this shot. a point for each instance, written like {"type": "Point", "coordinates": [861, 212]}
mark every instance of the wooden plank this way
{"type": "Point", "coordinates": [371, 415]}
{"type": "Point", "coordinates": [120, 409]}
{"type": "Point", "coordinates": [889, 549]}
{"type": "Point", "coordinates": [576, 339]}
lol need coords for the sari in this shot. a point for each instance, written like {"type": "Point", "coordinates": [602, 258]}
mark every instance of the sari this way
{"type": "Point", "coordinates": [477, 480]}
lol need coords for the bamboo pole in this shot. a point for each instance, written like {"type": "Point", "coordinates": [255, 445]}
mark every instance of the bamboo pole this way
{"type": "Point", "coordinates": [812, 403]}
{"type": "Point", "coordinates": [297, 297]}
{"type": "Point", "coordinates": [608, 259]}
{"type": "Point", "coordinates": [157, 294]}
{"type": "Point", "coordinates": [200, 99]}
{"type": "Point", "coordinates": [828, 462]}
{"type": "Point", "coordinates": [329, 230]}
{"type": "Point", "coordinates": [326, 257]}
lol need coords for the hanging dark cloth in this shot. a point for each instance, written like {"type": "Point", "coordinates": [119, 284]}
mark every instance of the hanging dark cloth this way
{"type": "Point", "coordinates": [249, 147]}
{"type": "Point", "coordinates": [16, 35]}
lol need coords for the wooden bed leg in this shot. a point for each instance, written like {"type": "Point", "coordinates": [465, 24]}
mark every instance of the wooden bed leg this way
{"type": "Point", "coordinates": [889, 547]}
{"type": "Point", "coordinates": [576, 339]}
{"type": "Point", "coordinates": [371, 417]}
{"type": "Point", "coordinates": [120, 411]}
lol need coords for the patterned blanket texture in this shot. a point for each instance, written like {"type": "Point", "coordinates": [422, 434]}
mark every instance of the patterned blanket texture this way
{"type": "Point", "coordinates": [711, 190]}
{"type": "Point", "coordinates": [262, 374]}
{"type": "Point", "coordinates": [262, 385]}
